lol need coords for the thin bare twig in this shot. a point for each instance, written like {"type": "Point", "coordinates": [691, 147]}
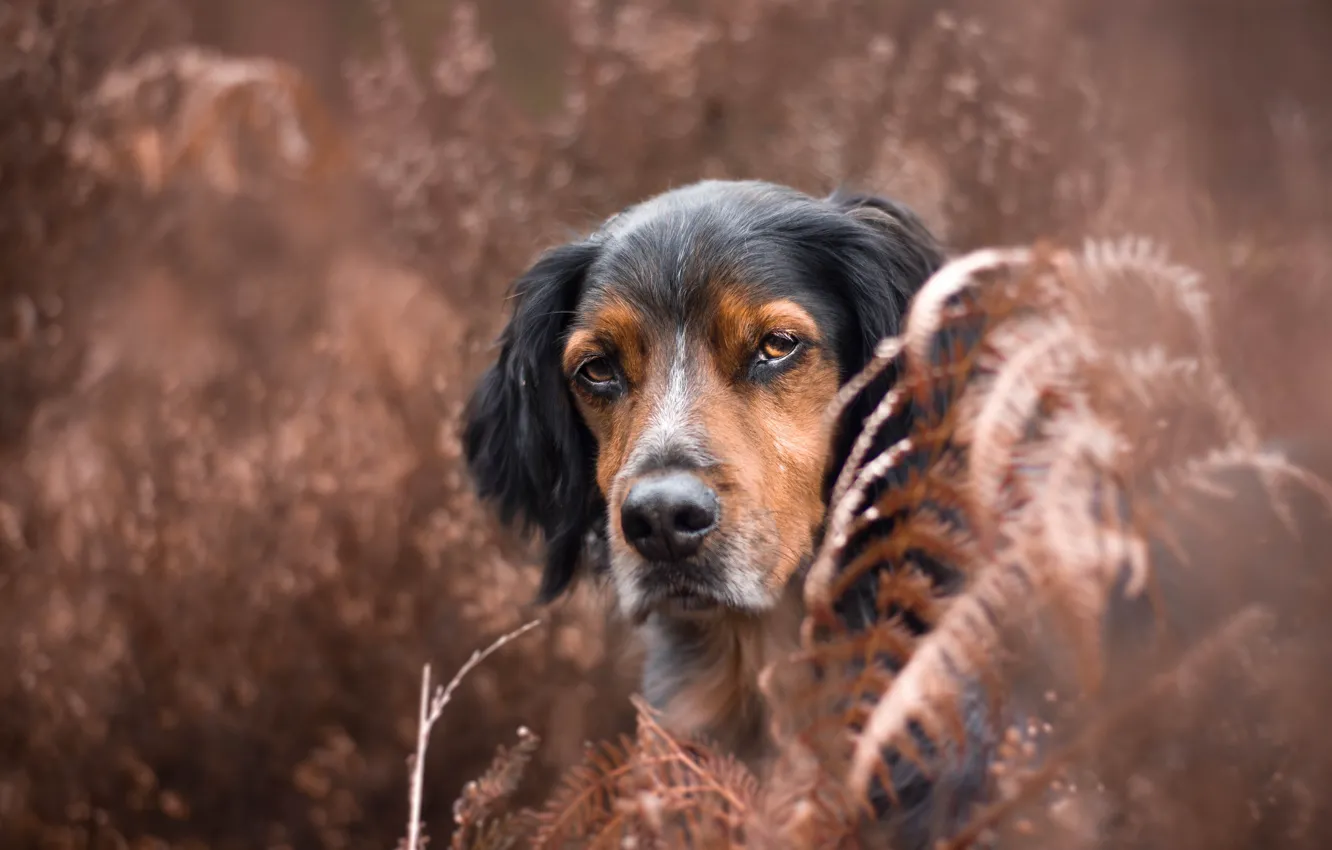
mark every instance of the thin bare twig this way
{"type": "Point", "coordinates": [431, 709]}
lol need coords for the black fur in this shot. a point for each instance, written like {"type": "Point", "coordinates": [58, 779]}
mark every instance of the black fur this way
{"type": "Point", "coordinates": [528, 450]}
{"type": "Point", "coordinates": [853, 260]}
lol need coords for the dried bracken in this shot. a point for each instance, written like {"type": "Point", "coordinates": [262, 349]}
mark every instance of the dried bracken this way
{"type": "Point", "coordinates": [233, 523]}
{"type": "Point", "coordinates": [650, 790]}
{"type": "Point", "coordinates": [480, 815]}
{"type": "Point", "coordinates": [1045, 442]}
{"type": "Point", "coordinates": [1043, 447]}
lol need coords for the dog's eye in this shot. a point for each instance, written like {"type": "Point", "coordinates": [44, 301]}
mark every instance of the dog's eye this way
{"type": "Point", "coordinates": [777, 346]}
{"type": "Point", "coordinates": [596, 371]}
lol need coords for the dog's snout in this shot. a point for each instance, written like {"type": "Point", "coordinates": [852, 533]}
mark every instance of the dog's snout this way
{"type": "Point", "coordinates": [666, 517]}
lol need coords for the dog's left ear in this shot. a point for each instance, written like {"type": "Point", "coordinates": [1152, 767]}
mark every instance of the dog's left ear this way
{"type": "Point", "coordinates": [528, 451]}
{"type": "Point", "coordinates": [886, 266]}
{"type": "Point", "coordinates": [883, 257]}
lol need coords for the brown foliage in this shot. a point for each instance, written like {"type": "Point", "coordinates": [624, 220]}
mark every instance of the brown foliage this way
{"type": "Point", "coordinates": [1063, 439]}
{"type": "Point", "coordinates": [1049, 442]}
{"type": "Point", "coordinates": [233, 524]}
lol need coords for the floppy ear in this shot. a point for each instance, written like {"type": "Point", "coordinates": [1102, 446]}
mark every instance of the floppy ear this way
{"type": "Point", "coordinates": [885, 256]}
{"type": "Point", "coordinates": [528, 450]}
{"type": "Point", "coordinates": [891, 261]}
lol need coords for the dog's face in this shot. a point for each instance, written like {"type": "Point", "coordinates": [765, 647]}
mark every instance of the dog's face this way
{"type": "Point", "coordinates": [661, 387]}
{"type": "Point", "coordinates": [705, 400]}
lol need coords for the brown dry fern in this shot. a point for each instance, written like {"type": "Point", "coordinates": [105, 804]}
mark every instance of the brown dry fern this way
{"type": "Point", "coordinates": [1044, 438]}
{"type": "Point", "coordinates": [480, 815]}
{"type": "Point", "coordinates": [649, 790]}
{"type": "Point", "coordinates": [1045, 435]}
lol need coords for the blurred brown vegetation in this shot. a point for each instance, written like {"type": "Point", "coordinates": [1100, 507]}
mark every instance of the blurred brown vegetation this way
{"type": "Point", "coordinates": [240, 310]}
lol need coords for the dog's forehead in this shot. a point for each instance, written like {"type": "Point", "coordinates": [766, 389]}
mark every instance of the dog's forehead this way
{"type": "Point", "coordinates": [671, 257]}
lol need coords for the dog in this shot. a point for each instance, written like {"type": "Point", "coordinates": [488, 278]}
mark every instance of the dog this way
{"type": "Point", "coordinates": [657, 411]}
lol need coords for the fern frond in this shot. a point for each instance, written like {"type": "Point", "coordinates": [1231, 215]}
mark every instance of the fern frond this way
{"type": "Point", "coordinates": [928, 390]}
{"type": "Point", "coordinates": [886, 354]}
{"type": "Point", "coordinates": [852, 474]}
{"type": "Point", "coordinates": [928, 310]}
{"type": "Point", "coordinates": [585, 800]}
{"type": "Point", "coordinates": [1110, 265]}
{"type": "Point", "coordinates": [1010, 404]}
{"type": "Point", "coordinates": [1198, 473]}
{"type": "Point", "coordinates": [806, 804]}
{"type": "Point", "coordinates": [1082, 510]}
{"type": "Point", "coordinates": [921, 485]}
{"type": "Point", "coordinates": [652, 788]}
{"type": "Point", "coordinates": [850, 670]}
{"type": "Point", "coordinates": [901, 568]}
{"type": "Point", "coordinates": [479, 820]}
{"type": "Point", "coordinates": [823, 571]}
{"type": "Point", "coordinates": [1044, 446]}
{"type": "Point", "coordinates": [926, 693]}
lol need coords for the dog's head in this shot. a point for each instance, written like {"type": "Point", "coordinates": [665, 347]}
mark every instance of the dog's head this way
{"type": "Point", "coordinates": [658, 400]}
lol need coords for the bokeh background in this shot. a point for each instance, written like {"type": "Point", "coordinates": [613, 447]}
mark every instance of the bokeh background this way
{"type": "Point", "coordinates": [233, 519]}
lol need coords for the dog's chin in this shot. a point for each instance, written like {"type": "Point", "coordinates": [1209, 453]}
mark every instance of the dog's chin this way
{"type": "Point", "coordinates": [690, 602]}
{"type": "Point", "coordinates": [690, 606]}
{"type": "Point", "coordinates": [707, 587]}
{"type": "Point", "coordinates": [672, 602]}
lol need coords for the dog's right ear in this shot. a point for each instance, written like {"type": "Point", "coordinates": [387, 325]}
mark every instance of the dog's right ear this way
{"type": "Point", "coordinates": [527, 449]}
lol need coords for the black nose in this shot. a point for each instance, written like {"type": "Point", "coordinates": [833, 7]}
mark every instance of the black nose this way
{"type": "Point", "coordinates": [666, 517]}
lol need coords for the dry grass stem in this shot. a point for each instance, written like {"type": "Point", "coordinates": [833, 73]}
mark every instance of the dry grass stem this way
{"type": "Point", "coordinates": [432, 706]}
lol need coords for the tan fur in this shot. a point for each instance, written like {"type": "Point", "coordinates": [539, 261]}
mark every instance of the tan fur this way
{"type": "Point", "coordinates": [771, 442]}
{"type": "Point", "coordinates": [772, 437]}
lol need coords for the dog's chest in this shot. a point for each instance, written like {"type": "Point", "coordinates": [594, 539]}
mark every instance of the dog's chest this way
{"type": "Point", "coordinates": [703, 675]}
